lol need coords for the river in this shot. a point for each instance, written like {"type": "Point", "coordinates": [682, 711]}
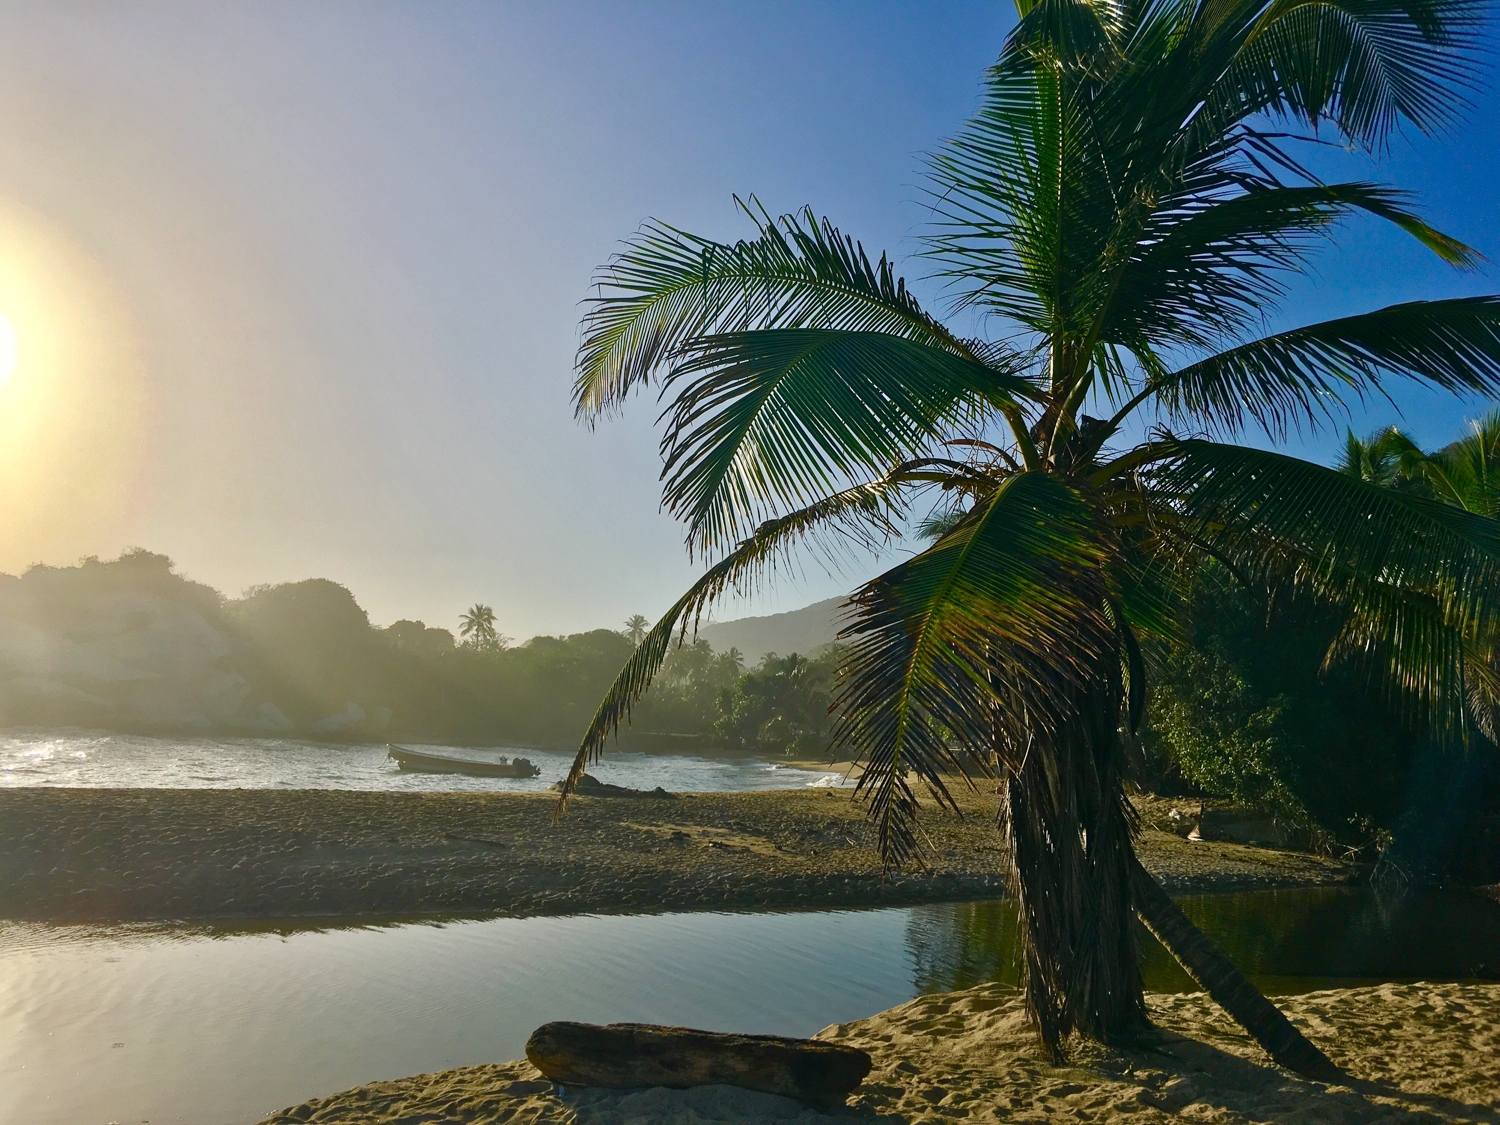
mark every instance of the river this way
{"type": "Point", "coordinates": [211, 1025]}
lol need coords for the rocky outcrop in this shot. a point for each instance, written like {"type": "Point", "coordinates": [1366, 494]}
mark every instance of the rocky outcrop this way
{"type": "Point", "coordinates": [590, 786]}
{"type": "Point", "coordinates": [124, 656]}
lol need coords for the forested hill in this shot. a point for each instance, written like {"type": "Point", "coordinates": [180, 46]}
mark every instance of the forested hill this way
{"type": "Point", "coordinates": [128, 644]}
{"type": "Point", "coordinates": [801, 630]}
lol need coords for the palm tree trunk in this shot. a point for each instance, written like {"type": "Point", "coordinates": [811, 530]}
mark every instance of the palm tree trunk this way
{"type": "Point", "coordinates": [1069, 826]}
{"type": "Point", "coordinates": [1227, 985]}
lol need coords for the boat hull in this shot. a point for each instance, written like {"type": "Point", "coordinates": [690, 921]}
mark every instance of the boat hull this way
{"type": "Point", "coordinates": [415, 761]}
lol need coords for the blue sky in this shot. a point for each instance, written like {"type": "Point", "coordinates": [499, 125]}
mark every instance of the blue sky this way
{"type": "Point", "coordinates": [351, 241]}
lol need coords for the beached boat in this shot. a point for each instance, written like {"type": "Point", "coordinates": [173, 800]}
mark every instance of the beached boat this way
{"type": "Point", "coordinates": [419, 761]}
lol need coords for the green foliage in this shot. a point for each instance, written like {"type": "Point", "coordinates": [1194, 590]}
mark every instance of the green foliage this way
{"type": "Point", "coordinates": [1245, 710]}
{"type": "Point", "coordinates": [782, 707]}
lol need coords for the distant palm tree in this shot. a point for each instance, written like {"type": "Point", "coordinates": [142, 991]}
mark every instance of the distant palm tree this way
{"type": "Point", "coordinates": [478, 628]}
{"type": "Point", "coordinates": [1465, 474]}
{"type": "Point", "coordinates": [1123, 210]}
{"type": "Point", "coordinates": [636, 628]}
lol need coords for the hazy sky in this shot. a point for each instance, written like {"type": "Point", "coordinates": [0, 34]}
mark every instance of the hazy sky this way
{"type": "Point", "coordinates": [296, 286]}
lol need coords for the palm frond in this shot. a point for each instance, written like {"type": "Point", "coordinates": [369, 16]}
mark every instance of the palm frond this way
{"type": "Point", "coordinates": [1252, 503]}
{"type": "Point", "coordinates": [1298, 377]}
{"type": "Point", "coordinates": [1213, 263]}
{"type": "Point", "coordinates": [669, 287]}
{"type": "Point", "coordinates": [1364, 65]}
{"type": "Point", "coordinates": [774, 417]}
{"type": "Point", "coordinates": [1411, 653]}
{"type": "Point", "coordinates": [930, 638]}
{"type": "Point", "coordinates": [862, 514]}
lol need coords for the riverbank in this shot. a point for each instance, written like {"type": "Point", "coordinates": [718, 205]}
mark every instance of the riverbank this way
{"type": "Point", "coordinates": [1424, 1050]}
{"type": "Point", "coordinates": [141, 854]}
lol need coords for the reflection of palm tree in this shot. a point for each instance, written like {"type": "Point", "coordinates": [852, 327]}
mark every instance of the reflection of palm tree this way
{"type": "Point", "coordinates": [478, 628]}
{"type": "Point", "coordinates": [1121, 208]}
{"type": "Point", "coordinates": [635, 628]}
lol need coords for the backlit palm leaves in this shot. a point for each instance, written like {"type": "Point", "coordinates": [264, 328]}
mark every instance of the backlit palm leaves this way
{"type": "Point", "coordinates": [1127, 206]}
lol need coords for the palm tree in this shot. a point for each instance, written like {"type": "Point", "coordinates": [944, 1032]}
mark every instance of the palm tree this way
{"type": "Point", "coordinates": [1123, 210]}
{"type": "Point", "coordinates": [636, 627]}
{"type": "Point", "coordinates": [1465, 474]}
{"type": "Point", "coordinates": [477, 627]}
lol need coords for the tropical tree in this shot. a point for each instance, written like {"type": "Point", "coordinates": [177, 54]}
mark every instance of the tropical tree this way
{"type": "Point", "coordinates": [477, 628]}
{"type": "Point", "coordinates": [636, 627]}
{"type": "Point", "coordinates": [1123, 211]}
{"type": "Point", "coordinates": [1465, 474]}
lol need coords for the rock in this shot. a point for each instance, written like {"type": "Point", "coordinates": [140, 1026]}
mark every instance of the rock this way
{"type": "Point", "coordinates": [591, 786]}
{"type": "Point", "coordinates": [627, 1055]}
{"type": "Point", "coordinates": [351, 716]}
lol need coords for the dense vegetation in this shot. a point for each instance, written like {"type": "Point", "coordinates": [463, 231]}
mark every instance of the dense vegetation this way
{"type": "Point", "coordinates": [1258, 703]}
{"type": "Point", "coordinates": [309, 650]}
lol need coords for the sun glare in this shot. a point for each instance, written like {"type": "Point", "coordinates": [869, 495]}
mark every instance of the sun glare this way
{"type": "Point", "coordinates": [71, 373]}
{"type": "Point", "coordinates": [7, 349]}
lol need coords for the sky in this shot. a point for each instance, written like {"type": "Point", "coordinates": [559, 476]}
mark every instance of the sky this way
{"type": "Point", "coordinates": [296, 287]}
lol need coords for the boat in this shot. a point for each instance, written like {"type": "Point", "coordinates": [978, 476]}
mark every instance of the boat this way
{"type": "Point", "coordinates": [419, 761]}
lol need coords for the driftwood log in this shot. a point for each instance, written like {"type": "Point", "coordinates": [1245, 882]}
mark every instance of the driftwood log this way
{"type": "Point", "coordinates": [623, 1055]}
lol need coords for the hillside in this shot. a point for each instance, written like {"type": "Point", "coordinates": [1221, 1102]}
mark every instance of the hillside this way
{"type": "Point", "coordinates": [800, 630]}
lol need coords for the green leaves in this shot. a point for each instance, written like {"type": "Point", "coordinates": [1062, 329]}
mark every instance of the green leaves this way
{"type": "Point", "coordinates": [862, 514]}
{"type": "Point", "coordinates": [1117, 199]}
{"type": "Point", "coordinates": [1365, 65]}
{"type": "Point", "coordinates": [1300, 375]}
{"type": "Point", "coordinates": [669, 288]}
{"type": "Point", "coordinates": [1209, 264]}
{"type": "Point", "coordinates": [934, 644]}
{"type": "Point", "coordinates": [774, 418]}
{"type": "Point", "coordinates": [1418, 578]}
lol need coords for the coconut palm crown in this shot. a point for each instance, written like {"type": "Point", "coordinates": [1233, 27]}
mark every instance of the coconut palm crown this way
{"type": "Point", "coordinates": [1124, 210]}
{"type": "Point", "coordinates": [477, 627]}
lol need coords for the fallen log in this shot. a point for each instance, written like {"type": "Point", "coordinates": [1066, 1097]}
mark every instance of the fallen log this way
{"type": "Point", "coordinates": [624, 1055]}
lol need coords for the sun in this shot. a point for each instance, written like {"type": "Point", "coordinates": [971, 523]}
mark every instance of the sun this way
{"type": "Point", "coordinates": [7, 349]}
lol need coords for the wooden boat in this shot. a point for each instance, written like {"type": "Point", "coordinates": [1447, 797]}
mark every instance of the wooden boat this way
{"type": "Point", "coordinates": [419, 761]}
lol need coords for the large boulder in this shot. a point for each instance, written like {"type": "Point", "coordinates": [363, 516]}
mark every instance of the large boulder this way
{"type": "Point", "coordinates": [626, 1055]}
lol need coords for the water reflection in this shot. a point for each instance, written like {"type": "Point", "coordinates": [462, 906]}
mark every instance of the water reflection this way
{"type": "Point", "coordinates": [1286, 941]}
{"type": "Point", "coordinates": [220, 1024]}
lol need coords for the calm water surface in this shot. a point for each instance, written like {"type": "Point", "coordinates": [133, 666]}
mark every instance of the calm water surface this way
{"type": "Point", "coordinates": [96, 759]}
{"type": "Point", "coordinates": [211, 1026]}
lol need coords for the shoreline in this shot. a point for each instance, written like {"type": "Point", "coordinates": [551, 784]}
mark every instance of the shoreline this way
{"type": "Point", "coordinates": [105, 855]}
{"type": "Point", "coordinates": [1423, 1052]}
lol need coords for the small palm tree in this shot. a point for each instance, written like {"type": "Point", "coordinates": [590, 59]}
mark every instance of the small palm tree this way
{"type": "Point", "coordinates": [477, 627]}
{"type": "Point", "coordinates": [1122, 209]}
{"type": "Point", "coordinates": [636, 627]}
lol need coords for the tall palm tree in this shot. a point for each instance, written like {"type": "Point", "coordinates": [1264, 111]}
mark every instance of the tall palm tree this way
{"type": "Point", "coordinates": [477, 627]}
{"type": "Point", "coordinates": [1123, 209]}
{"type": "Point", "coordinates": [636, 627]}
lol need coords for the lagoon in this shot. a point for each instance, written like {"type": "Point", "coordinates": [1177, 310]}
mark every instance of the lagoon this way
{"type": "Point", "coordinates": [211, 1025]}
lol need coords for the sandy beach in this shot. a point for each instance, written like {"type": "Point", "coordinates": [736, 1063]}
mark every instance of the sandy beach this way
{"type": "Point", "coordinates": [1412, 1052]}
{"type": "Point", "coordinates": [140, 854]}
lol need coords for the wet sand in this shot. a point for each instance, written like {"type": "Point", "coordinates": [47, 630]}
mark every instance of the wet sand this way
{"type": "Point", "coordinates": [140, 854]}
{"type": "Point", "coordinates": [1412, 1052]}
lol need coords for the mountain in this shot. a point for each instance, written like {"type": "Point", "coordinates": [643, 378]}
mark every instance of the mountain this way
{"type": "Point", "coordinates": [801, 630]}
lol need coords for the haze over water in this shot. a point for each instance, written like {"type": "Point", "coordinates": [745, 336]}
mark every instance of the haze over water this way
{"type": "Point", "coordinates": [97, 759]}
